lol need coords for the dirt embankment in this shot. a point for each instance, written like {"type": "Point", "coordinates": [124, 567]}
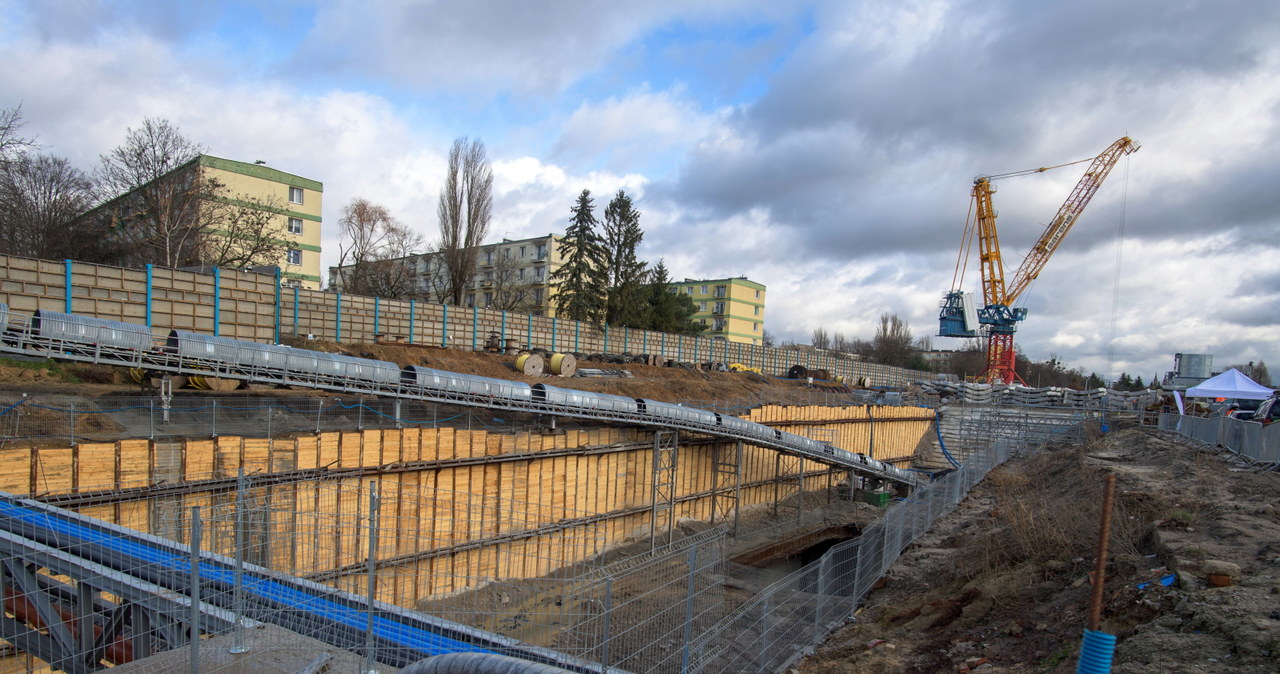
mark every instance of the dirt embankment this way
{"type": "Point", "coordinates": [658, 383]}
{"type": "Point", "coordinates": [1003, 583]}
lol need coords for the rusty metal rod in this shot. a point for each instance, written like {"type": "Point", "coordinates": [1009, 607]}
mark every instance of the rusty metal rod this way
{"type": "Point", "coordinates": [1100, 566]}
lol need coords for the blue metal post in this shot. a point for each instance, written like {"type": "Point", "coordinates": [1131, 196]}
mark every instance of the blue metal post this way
{"type": "Point", "coordinates": [529, 335]}
{"type": "Point", "coordinates": [577, 335]}
{"type": "Point", "coordinates": [67, 264]}
{"type": "Point", "coordinates": [444, 332]}
{"type": "Point", "coordinates": [377, 306]}
{"type": "Point", "coordinates": [475, 327]}
{"type": "Point", "coordinates": [504, 330]}
{"type": "Point", "coordinates": [553, 333]}
{"type": "Point", "coordinates": [338, 324]}
{"type": "Point", "coordinates": [276, 339]}
{"type": "Point", "coordinates": [217, 301]}
{"type": "Point", "coordinates": [606, 339]}
{"type": "Point", "coordinates": [148, 296]}
{"type": "Point", "coordinates": [411, 303]}
{"type": "Point", "coordinates": [626, 334]}
{"type": "Point", "coordinates": [295, 311]}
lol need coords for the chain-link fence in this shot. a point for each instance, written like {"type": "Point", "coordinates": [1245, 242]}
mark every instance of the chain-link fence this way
{"type": "Point", "coordinates": [1254, 443]}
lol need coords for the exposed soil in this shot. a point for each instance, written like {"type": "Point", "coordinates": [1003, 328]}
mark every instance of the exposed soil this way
{"type": "Point", "coordinates": [1003, 583]}
{"type": "Point", "coordinates": [646, 381]}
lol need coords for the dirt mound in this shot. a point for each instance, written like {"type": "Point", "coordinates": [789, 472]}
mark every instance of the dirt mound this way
{"type": "Point", "coordinates": [1002, 584]}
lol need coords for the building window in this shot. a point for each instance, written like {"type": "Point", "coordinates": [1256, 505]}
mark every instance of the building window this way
{"type": "Point", "coordinates": [488, 300]}
{"type": "Point", "coordinates": [542, 251]}
{"type": "Point", "coordinates": [755, 327]}
{"type": "Point", "coordinates": [537, 295]}
{"type": "Point", "coordinates": [702, 306]}
{"type": "Point", "coordinates": [757, 294]}
{"type": "Point", "coordinates": [522, 252]}
{"type": "Point", "coordinates": [295, 225]}
{"type": "Point", "coordinates": [718, 308]}
{"type": "Point", "coordinates": [721, 291]}
{"type": "Point", "coordinates": [471, 299]}
{"type": "Point", "coordinates": [720, 325]}
{"type": "Point", "coordinates": [520, 273]}
{"type": "Point", "coordinates": [674, 291]}
{"type": "Point", "coordinates": [294, 256]}
{"type": "Point", "coordinates": [506, 254]}
{"type": "Point", "coordinates": [689, 290]}
{"type": "Point", "coordinates": [757, 312]}
{"type": "Point", "coordinates": [540, 273]}
{"type": "Point", "coordinates": [488, 257]}
{"type": "Point", "coordinates": [704, 290]}
{"type": "Point", "coordinates": [295, 195]}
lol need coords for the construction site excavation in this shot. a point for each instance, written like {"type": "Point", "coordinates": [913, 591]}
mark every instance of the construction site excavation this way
{"type": "Point", "coordinates": [177, 499]}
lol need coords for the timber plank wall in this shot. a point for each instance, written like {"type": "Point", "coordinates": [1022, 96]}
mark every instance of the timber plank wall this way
{"type": "Point", "coordinates": [252, 306]}
{"type": "Point", "coordinates": [459, 508]}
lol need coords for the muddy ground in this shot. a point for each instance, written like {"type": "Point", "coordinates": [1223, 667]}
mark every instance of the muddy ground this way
{"type": "Point", "coordinates": [646, 381]}
{"type": "Point", "coordinates": [1003, 583]}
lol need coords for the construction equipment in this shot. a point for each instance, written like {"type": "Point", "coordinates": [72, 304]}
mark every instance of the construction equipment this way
{"type": "Point", "coordinates": [998, 318]}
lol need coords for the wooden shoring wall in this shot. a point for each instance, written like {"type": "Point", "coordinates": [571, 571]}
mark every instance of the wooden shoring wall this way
{"type": "Point", "coordinates": [458, 508]}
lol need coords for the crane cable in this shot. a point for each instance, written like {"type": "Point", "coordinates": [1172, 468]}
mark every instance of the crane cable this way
{"type": "Point", "coordinates": [1115, 289]}
{"type": "Point", "coordinates": [966, 245]}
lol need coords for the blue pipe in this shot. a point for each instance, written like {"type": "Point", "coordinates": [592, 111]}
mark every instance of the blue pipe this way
{"type": "Point", "coordinates": [1096, 652]}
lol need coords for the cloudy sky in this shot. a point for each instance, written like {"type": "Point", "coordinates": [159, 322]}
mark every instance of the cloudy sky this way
{"type": "Point", "coordinates": [825, 149]}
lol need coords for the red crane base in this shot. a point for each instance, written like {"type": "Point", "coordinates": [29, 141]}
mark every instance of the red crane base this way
{"type": "Point", "coordinates": [1001, 359]}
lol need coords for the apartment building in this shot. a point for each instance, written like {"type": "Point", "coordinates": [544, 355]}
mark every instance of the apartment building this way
{"type": "Point", "coordinates": [730, 308]}
{"type": "Point", "coordinates": [296, 217]}
{"type": "Point", "coordinates": [511, 275]}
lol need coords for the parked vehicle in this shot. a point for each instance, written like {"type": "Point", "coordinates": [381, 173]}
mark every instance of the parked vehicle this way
{"type": "Point", "coordinates": [1267, 412]}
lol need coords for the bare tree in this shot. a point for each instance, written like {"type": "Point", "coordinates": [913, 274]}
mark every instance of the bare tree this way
{"type": "Point", "coordinates": [41, 200]}
{"type": "Point", "coordinates": [510, 290]}
{"type": "Point", "coordinates": [820, 339]}
{"type": "Point", "coordinates": [247, 230]}
{"type": "Point", "coordinates": [371, 251]}
{"type": "Point", "coordinates": [466, 204]}
{"type": "Point", "coordinates": [11, 144]}
{"type": "Point", "coordinates": [166, 209]}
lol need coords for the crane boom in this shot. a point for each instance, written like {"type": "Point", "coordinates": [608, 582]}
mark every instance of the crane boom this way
{"type": "Point", "coordinates": [998, 317]}
{"type": "Point", "coordinates": [1057, 228]}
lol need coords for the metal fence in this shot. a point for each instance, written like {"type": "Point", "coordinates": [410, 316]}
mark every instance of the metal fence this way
{"type": "Point", "coordinates": [544, 579]}
{"type": "Point", "coordinates": [1254, 443]}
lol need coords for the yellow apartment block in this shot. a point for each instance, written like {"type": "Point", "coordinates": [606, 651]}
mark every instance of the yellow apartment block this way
{"type": "Point", "coordinates": [730, 308]}
{"type": "Point", "coordinates": [299, 220]}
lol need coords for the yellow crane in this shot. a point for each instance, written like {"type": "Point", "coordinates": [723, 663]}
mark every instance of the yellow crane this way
{"type": "Point", "coordinates": [997, 317]}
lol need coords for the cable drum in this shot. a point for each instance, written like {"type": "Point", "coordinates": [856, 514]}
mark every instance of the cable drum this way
{"type": "Point", "coordinates": [797, 372]}
{"type": "Point", "coordinates": [563, 364]}
{"type": "Point", "coordinates": [531, 364]}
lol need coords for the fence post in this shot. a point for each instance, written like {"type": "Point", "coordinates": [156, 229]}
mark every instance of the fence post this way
{"type": "Point", "coordinates": [237, 601]}
{"type": "Point", "coordinates": [377, 310]}
{"type": "Point", "coordinates": [217, 301]}
{"type": "Point", "coordinates": [688, 609]}
{"type": "Point", "coordinates": [475, 327]}
{"type": "Point", "coordinates": [275, 339]}
{"type": "Point", "coordinates": [149, 274]}
{"type": "Point", "coordinates": [608, 616]}
{"type": "Point", "coordinates": [554, 324]}
{"type": "Point", "coordinates": [71, 429]}
{"type": "Point", "coordinates": [67, 265]}
{"type": "Point", "coordinates": [371, 569]}
{"type": "Point", "coordinates": [197, 529]}
{"type": "Point", "coordinates": [411, 307]}
{"type": "Point", "coordinates": [444, 327]}
{"type": "Point", "coordinates": [295, 311]}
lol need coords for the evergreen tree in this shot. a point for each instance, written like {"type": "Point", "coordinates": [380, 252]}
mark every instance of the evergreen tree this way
{"type": "Point", "coordinates": [582, 282]}
{"type": "Point", "coordinates": [627, 304]}
{"type": "Point", "coordinates": [669, 311]}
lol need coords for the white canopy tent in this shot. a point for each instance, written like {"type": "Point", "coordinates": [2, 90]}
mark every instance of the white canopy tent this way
{"type": "Point", "coordinates": [1229, 384]}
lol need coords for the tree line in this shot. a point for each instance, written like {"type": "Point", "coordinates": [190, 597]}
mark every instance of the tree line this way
{"type": "Point", "coordinates": [603, 280]}
{"type": "Point", "coordinates": [174, 218]}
